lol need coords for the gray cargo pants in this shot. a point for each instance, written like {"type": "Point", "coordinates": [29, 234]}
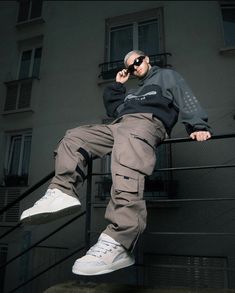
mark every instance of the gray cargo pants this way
{"type": "Point", "coordinates": [132, 140]}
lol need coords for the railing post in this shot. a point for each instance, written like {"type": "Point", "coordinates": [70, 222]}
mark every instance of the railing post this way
{"type": "Point", "coordinates": [88, 205]}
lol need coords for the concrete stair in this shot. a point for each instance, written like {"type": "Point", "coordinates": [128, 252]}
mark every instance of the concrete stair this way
{"type": "Point", "coordinates": [77, 287]}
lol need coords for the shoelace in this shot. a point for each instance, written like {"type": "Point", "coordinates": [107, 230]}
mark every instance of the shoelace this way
{"type": "Point", "coordinates": [101, 248]}
{"type": "Point", "coordinates": [48, 194]}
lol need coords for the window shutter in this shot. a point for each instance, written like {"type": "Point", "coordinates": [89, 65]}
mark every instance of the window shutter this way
{"type": "Point", "coordinates": [7, 195]}
{"type": "Point", "coordinates": [11, 97]}
{"type": "Point", "coordinates": [25, 95]}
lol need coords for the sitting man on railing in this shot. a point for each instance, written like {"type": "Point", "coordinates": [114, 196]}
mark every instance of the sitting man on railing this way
{"type": "Point", "coordinates": [144, 116]}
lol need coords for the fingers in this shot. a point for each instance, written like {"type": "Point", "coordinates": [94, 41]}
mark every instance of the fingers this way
{"type": "Point", "coordinates": [123, 73]}
{"type": "Point", "coordinates": [193, 135]}
{"type": "Point", "coordinates": [200, 135]}
{"type": "Point", "coordinates": [122, 76]}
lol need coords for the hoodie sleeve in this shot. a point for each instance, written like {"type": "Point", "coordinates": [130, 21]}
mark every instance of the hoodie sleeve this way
{"type": "Point", "coordinates": [113, 97]}
{"type": "Point", "coordinates": [191, 114]}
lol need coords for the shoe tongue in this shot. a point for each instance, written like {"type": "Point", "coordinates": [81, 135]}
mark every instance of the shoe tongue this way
{"type": "Point", "coordinates": [107, 238]}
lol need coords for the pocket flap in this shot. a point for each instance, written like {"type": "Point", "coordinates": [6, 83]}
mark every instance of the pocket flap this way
{"type": "Point", "coordinates": [125, 183]}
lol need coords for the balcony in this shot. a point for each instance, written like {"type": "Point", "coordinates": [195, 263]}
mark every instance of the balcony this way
{"type": "Point", "coordinates": [110, 69]}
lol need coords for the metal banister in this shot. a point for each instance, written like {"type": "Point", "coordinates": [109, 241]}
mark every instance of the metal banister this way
{"type": "Point", "coordinates": [89, 205]}
{"type": "Point", "coordinates": [47, 269]}
{"type": "Point", "coordinates": [27, 192]}
{"type": "Point", "coordinates": [188, 139]}
{"type": "Point", "coordinates": [50, 175]}
{"type": "Point", "coordinates": [42, 239]}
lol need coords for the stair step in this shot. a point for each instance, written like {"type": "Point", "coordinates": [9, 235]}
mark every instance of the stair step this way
{"type": "Point", "coordinates": [76, 287]}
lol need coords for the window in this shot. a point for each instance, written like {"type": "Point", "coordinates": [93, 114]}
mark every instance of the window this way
{"type": "Point", "coordinates": [18, 96]}
{"type": "Point", "coordinates": [29, 10]}
{"type": "Point", "coordinates": [143, 31]}
{"type": "Point", "coordinates": [30, 63]}
{"type": "Point", "coordinates": [228, 17]}
{"type": "Point", "coordinates": [17, 158]}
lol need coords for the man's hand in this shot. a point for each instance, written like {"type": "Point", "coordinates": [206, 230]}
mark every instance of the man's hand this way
{"type": "Point", "coordinates": [200, 135]}
{"type": "Point", "coordinates": [122, 76]}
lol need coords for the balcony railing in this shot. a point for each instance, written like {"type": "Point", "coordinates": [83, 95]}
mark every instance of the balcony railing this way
{"type": "Point", "coordinates": [110, 69]}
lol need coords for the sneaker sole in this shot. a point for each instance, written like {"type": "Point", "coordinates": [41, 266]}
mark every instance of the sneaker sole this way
{"type": "Point", "coordinates": [44, 218]}
{"type": "Point", "coordinates": [119, 265]}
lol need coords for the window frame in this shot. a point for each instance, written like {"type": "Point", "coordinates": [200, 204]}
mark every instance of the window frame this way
{"type": "Point", "coordinates": [32, 60]}
{"type": "Point", "coordinates": [135, 19]}
{"type": "Point", "coordinates": [17, 108]}
{"type": "Point", "coordinates": [226, 49]}
{"type": "Point", "coordinates": [29, 17]}
{"type": "Point", "coordinates": [9, 153]}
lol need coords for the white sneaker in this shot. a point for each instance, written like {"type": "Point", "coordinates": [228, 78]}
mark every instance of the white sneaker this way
{"type": "Point", "coordinates": [52, 205]}
{"type": "Point", "coordinates": [104, 257]}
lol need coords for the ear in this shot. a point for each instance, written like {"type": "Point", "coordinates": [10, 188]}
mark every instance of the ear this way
{"type": "Point", "coordinates": [147, 59]}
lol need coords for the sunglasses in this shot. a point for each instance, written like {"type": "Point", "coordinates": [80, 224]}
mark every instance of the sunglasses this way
{"type": "Point", "coordinates": [137, 62]}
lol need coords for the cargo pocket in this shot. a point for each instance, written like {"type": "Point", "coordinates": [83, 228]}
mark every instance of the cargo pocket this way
{"type": "Point", "coordinates": [138, 153]}
{"type": "Point", "coordinates": [125, 183]}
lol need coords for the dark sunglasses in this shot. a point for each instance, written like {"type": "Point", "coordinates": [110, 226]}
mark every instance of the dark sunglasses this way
{"type": "Point", "coordinates": [137, 62]}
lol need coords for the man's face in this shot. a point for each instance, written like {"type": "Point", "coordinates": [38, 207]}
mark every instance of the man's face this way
{"type": "Point", "coordinates": [139, 65]}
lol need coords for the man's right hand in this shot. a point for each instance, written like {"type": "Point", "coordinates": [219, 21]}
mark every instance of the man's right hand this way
{"type": "Point", "coordinates": [122, 76]}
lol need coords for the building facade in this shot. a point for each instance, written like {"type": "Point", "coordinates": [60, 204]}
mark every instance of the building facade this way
{"type": "Point", "coordinates": [56, 58]}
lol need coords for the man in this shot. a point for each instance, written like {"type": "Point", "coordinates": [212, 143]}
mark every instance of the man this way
{"type": "Point", "coordinates": [144, 116]}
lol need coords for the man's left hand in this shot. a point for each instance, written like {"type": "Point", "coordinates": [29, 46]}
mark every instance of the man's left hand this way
{"type": "Point", "coordinates": [200, 135]}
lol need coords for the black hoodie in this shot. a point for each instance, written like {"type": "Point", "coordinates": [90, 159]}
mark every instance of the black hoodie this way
{"type": "Point", "coordinates": [162, 92]}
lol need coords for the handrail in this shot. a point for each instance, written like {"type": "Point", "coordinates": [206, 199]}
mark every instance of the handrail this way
{"type": "Point", "coordinates": [10, 230]}
{"type": "Point", "coordinates": [188, 139]}
{"type": "Point", "coordinates": [192, 233]}
{"type": "Point", "coordinates": [50, 175]}
{"type": "Point", "coordinates": [42, 239]}
{"type": "Point", "coordinates": [195, 168]}
{"type": "Point", "coordinates": [166, 141]}
{"type": "Point", "coordinates": [47, 269]}
{"type": "Point", "coordinates": [180, 169]}
{"type": "Point", "coordinates": [88, 207]}
{"type": "Point", "coordinates": [27, 192]}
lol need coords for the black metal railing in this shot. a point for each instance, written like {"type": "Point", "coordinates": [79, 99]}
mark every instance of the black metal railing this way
{"type": "Point", "coordinates": [110, 69]}
{"type": "Point", "coordinates": [89, 203]}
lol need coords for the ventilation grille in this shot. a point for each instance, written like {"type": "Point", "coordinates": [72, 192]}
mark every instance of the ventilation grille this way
{"type": "Point", "coordinates": [186, 271]}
